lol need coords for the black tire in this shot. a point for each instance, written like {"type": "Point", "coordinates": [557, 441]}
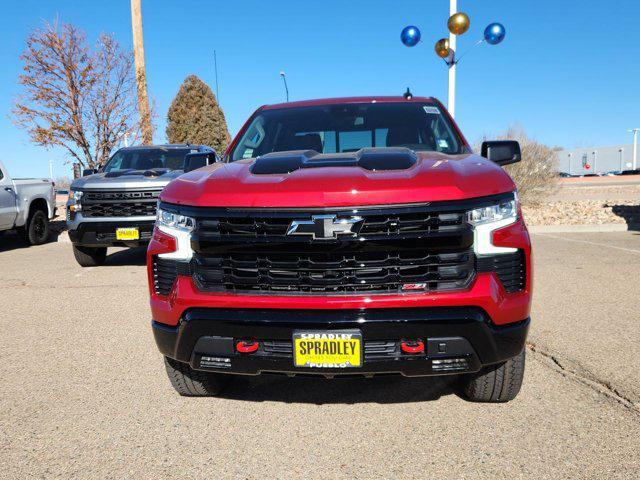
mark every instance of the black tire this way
{"type": "Point", "coordinates": [497, 383]}
{"type": "Point", "coordinates": [193, 383]}
{"type": "Point", "coordinates": [36, 231]}
{"type": "Point", "coordinates": [90, 256]}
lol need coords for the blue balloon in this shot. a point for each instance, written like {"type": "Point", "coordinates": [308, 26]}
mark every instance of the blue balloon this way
{"type": "Point", "coordinates": [410, 36]}
{"type": "Point", "coordinates": [494, 33]}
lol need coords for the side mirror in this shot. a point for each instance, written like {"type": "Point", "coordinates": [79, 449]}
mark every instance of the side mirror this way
{"type": "Point", "coordinates": [502, 152]}
{"type": "Point", "coordinates": [193, 161]}
{"type": "Point", "coordinates": [89, 171]}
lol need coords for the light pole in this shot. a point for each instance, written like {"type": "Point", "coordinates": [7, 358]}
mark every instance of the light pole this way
{"type": "Point", "coordinates": [284, 79]}
{"type": "Point", "coordinates": [451, 102]}
{"type": "Point", "coordinates": [445, 48]}
{"type": "Point", "coordinates": [635, 146]}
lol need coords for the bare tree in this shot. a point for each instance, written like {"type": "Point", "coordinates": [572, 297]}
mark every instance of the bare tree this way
{"type": "Point", "coordinates": [537, 174]}
{"type": "Point", "coordinates": [63, 183]}
{"type": "Point", "coordinates": [112, 98]}
{"type": "Point", "coordinates": [76, 97]}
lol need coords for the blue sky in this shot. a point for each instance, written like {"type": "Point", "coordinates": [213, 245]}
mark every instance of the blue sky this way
{"type": "Point", "coordinates": [568, 71]}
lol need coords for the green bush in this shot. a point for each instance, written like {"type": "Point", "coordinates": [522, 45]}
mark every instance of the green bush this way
{"type": "Point", "coordinates": [195, 117]}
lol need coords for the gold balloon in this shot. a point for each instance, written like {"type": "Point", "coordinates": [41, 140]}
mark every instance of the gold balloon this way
{"type": "Point", "coordinates": [459, 23]}
{"type": "Point", "coordinates": [442, 48]}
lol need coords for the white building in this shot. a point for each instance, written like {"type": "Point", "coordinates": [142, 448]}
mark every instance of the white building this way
{"type": "Point", "coordinates": [588, 160]}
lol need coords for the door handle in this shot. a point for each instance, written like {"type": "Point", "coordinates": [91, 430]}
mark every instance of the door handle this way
{"type": "Point", "coordinates": [9, 189]}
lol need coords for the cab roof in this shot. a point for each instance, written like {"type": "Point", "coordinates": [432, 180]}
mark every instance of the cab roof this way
{"type": "Point", "coordinates": [342, 100]}
{"type": "Point", "coordinates": [164, 146]}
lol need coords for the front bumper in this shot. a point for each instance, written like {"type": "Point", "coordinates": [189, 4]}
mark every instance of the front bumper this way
{"type": "Point", "coordinates": [103, 233]}
{"type": "Point", "coordinates": [457, 339]}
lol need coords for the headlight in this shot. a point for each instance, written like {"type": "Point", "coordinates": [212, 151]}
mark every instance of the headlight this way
{"type": "Point", "coordinates": [485, 220]}
{"type": "Point", "coordinates": [76, 195]}
{"type": "Point", "coordinates": [494, 213]}
{"type": "Point", "coordinates": [74, 200]}
{"type": "Point", "coordinates": [180, 228]}
{"type": "Point", "coordinates": [175, 221]}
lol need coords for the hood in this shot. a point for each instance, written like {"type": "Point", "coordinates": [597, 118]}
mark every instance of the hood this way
{"type": "Point", "coordinates": [125, 179]}
{"type": "Point", "coordinates": [431, 177]}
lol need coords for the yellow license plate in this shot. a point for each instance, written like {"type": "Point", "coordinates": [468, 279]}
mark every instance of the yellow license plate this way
{"type": "Point", "coordinates": [128, 233]}
{"type": "Point", "coordinates": [336, 349]}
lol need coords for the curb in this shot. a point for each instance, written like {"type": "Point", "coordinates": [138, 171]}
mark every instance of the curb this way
{"type": "Point", "coordinates": [606, 227]}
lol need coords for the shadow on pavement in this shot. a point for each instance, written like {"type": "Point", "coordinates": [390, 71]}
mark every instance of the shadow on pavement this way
{"type": "Point", "coordinates": [319, 391]}
{"type": "Point", "coordinates": [130, 256]}
{"type": "Point", "coordinates": [13, 240]}
{"type": "Point", "coordinates": [630, 214]}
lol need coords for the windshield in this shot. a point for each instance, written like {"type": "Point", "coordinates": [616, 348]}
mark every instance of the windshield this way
{"type": "Point", "coordinates": [147, 159]}
{"type": "Point", "coordinates": [348, 128]}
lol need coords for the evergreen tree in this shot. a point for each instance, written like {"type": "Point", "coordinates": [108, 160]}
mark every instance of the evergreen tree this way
{"type": "Point", "coordinates": [195, 117]}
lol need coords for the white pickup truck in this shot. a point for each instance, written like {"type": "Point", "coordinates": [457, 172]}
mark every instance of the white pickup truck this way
{"type": "Point", "coordinates": [26, 205]}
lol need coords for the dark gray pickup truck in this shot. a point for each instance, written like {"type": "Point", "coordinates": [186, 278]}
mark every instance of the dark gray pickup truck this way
{"type": "Point", "coordinates": [116, 204]}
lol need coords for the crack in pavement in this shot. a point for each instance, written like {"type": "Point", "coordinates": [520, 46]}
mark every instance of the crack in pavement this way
{"type": "Point", "coordinates": [583, 376]}
{"type": "Point", "coordinates": [25, 285]}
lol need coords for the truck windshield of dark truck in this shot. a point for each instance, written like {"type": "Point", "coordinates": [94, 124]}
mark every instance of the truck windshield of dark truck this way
{"type": "Point", "coordinates": [147, 159]}
{"type": "Point", "coordinates": [348, 128]}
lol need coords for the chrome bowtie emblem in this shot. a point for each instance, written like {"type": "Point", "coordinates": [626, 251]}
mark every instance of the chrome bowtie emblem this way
{"type": "Point", "coordinates": [325, 226]}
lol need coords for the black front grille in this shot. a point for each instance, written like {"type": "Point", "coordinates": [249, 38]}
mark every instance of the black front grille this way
{"type": "Point", "coordinates": [165, 273]}
{"type": "Point", "coordinates": [381, 349]}
{"type": "Point", "coordinates": [510, 268]}
{"type": "Point", "coordinates": [277, 348]}
{"type": "Point", "coordinates": [377, 223]}
{"type": "Point", "coordinates": [120, 203]}
{"type": "Point", "coordinates": [390, 250]}
{"type": "Point", "coordinates": [388, 271]}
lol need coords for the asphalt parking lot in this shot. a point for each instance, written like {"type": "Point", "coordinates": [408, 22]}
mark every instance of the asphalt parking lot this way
{"type": "Point", "coordinates": [84, 393]}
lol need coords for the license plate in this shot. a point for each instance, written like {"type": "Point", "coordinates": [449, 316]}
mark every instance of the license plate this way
{"type": "Point", "coordinates": [327, 349]}
{"type": "Point", "coordinates": [131, 233]}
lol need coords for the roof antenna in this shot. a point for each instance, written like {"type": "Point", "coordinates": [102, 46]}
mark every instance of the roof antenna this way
{"type": "Point", "coordinates": [408, 95]}
{"type": "Point", "coordinates": [284, 79]}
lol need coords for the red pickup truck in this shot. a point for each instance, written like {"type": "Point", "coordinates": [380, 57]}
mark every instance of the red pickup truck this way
{"type": "Point", "coordinates": [345, 236]}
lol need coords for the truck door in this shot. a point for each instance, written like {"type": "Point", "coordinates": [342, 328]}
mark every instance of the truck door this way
{"type": "Point", "coordinates": [7, 201]}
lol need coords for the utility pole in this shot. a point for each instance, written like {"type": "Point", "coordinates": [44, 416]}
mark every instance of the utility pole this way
{"type": "Point", "coordinates": [141, 75]}
{"type": "Point", "coordinates": [635, 146]}
{"type": "Point", "coordinates": [451, 103]}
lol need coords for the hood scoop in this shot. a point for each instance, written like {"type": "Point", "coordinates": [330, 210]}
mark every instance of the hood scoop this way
{"type": "Point", "coordinates": [119, 173]}
{"type": "Point", "coordinates": [154, 172]}
{"type": "Point", "coordinates": [373, 159]}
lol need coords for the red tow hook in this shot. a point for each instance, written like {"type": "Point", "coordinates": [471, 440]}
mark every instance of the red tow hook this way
{"type": "Point", "coordinates": [247, 347]}
{"type": "Point", "coordinates": [412, 346]}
